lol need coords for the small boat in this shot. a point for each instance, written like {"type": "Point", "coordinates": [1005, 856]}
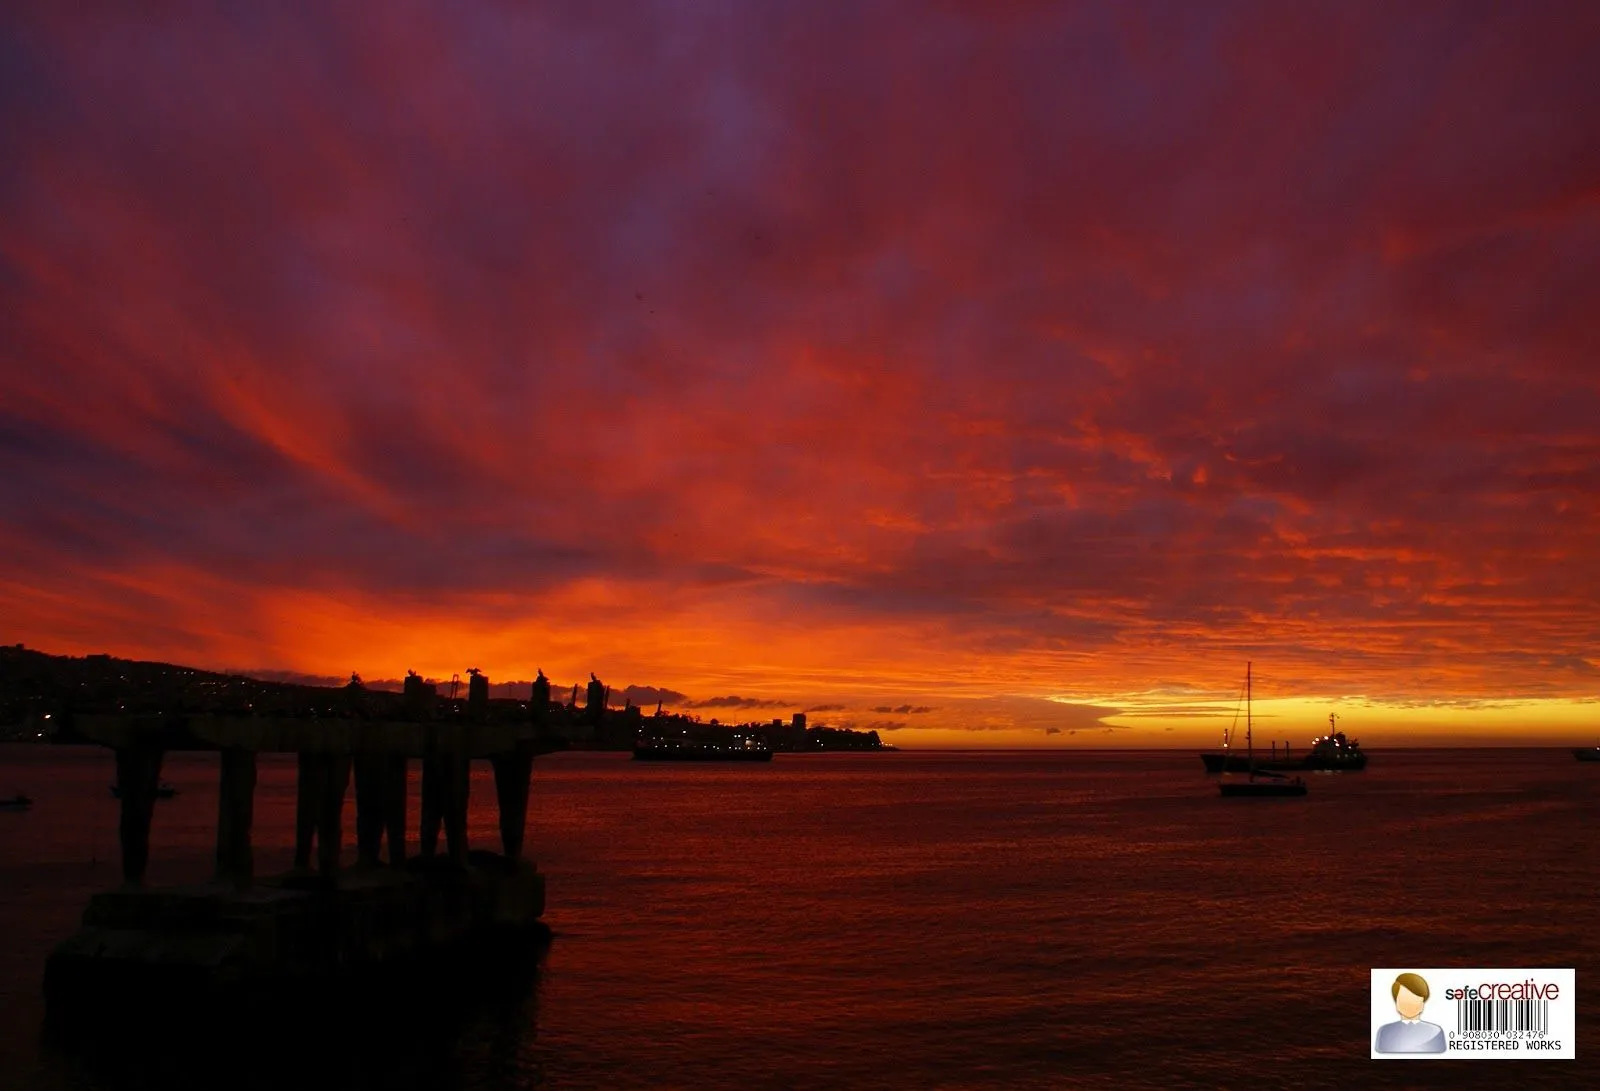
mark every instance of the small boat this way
{"type": "Point", "coordinates": [18, 802]}
{"type": "Point", "coordinates": [1261, 783]}
{"type": "Point", "coordinates": [1264, 784]}
{"type": "Point", "coordinates": [163, 791]}
{"type": "Point", "coordinates": [1587, 753]}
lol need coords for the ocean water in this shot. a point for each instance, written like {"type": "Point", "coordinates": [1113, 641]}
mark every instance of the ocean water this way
{"type": "Point", "coordinates": [913, 920]}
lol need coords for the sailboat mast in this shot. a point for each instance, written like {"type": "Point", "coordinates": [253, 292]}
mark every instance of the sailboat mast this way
{"type": "Point", "coordinates": [1249, 739]}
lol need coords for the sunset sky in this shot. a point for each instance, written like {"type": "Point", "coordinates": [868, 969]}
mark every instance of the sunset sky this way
{"type": "Point", "coordinates": [984, 373]}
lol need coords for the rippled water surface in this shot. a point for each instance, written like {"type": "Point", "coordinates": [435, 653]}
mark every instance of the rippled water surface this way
{"type": "Point", "coordinates": [1097, 919]}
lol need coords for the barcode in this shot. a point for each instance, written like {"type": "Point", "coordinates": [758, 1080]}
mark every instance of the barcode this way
{"type": "Point", "coordinates": [1528, 1015]}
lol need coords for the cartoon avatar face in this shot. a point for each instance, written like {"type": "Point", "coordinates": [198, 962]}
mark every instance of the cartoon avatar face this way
{"type": "Point", "coordinates": [1408, 1003]}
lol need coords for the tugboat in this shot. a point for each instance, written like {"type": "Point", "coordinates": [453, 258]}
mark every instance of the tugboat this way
{"type": "Point", "coordinates": [1261, 783]}
{"type": "Point", "coordinates": [1587, 753]}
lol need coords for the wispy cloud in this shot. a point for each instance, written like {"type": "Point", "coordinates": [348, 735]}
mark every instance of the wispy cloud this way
{"type": "Point", "coordinates": [736, 702]}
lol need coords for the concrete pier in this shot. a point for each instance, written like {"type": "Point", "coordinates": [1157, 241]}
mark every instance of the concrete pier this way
{"type": "Point", "coordinates": [246, 940]}
{"type": "Point", "coordinates": [218, 946]}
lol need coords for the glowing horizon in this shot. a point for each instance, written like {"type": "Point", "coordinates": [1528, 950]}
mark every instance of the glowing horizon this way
{"type": "Point", "coordinates": [949, 715]}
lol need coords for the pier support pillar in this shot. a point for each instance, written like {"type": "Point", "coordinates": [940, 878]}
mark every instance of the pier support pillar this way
{"type": "Point", "coordinates": [394, 807]}
{"type": "Point", "coordinates": [308, 792]}
{"type": "Point", "coordinates": [455, 815]}
{"type": "Point", "coordinates": [446, 782]}
{"type": "Point", "coordinates": [433, 775]}
{"type": "Point", "coordinates": [138, 776]}
{"type": "Point", "coordinates": [380, 807]}
{"type": "Point", "coordinates": [369, 808]}
{"type": "Point", "coordinates": [235, 812]}
{"type": "Point", "coordinates": [330, 813]}
{"type": "Point", "coordinates": [512, 773]}
{"type": "Point", "coordinates": [322, 782]}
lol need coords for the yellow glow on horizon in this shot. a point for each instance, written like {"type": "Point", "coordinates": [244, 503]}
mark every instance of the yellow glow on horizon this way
{"type": "Point", "coordinates": [914, 683]}
{"type": "Point", "coordinates": [1298, 721]}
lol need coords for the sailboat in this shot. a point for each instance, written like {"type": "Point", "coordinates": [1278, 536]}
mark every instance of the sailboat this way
{"type": "Point", "coordinates": [1260, 783]}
